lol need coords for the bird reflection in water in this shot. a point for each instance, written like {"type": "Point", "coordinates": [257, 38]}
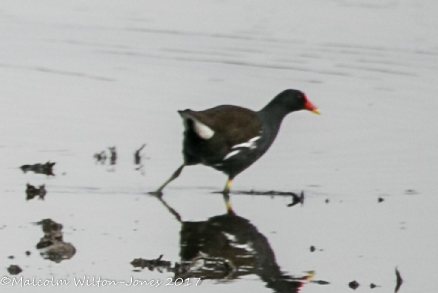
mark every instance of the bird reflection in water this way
{"type": "Point", "coordinates": [52, 245]}
{"type": "Point", "coordinates": [226, 247]}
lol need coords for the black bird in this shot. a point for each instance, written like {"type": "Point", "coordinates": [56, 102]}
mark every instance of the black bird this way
{"type": "Point", "coordinates": [231, 138]}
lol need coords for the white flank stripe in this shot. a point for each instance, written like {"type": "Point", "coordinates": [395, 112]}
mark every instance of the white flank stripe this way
{"type": "Point", "coordinates": [249, 144]}
{"type": "Point", "coordinates": [231, 154]}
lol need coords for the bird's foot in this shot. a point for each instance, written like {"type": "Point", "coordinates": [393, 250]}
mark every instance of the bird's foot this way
{"type": "Point", "coordinates": [157, 193]}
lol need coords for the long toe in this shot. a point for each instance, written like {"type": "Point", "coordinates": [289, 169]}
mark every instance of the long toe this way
{"type": "Point", "coordinates": [156, 193]}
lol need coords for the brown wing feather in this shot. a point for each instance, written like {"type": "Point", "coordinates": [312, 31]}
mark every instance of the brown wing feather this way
{"type": "Point", "coordinates": [235, 124]}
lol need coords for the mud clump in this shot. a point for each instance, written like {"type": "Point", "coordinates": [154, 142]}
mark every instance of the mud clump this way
{"type": "Point", "coordinates": [32, 192]}
{"type": "Point", "coordinates": [353, 285]}
{"type": "Point", "coordinates": [113, 155]}
{"type": "Point", "coordinates": [138, 159]}
{"type": "Point", "coordinates": [296, 199]}
{"type": "Point", "coordinates": [14, 270]}
{"type": "Point", "coordinates": [100, 157]}
{"type": "Point", "coordinates": [152, 264]}
{"type": "Point", "coordinates": [52, 245]}
{"type": "Point", "coordinates": [46, 169]}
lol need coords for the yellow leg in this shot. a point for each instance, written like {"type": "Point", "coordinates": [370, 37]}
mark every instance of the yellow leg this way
{"type": "Point", "coordinates": [226, 194]}
{"type": "Point", "coordinates": [228, 186]}
{"type": "Point", "coordinates": [175, 175]}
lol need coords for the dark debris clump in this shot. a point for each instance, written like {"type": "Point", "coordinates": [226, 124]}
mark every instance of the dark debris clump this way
{"type": "Point", "coordinates": [46, 168]}
{"type": "Point", "coordinates": [14, 270]}
{"type": "Point", "coordinates": [52, 245]}
{"type": "Point", "coordinates": [32, 192]}
{"type": "Point", "coordinates": [152, 264]}
{"type": "Point", "coordinates": [296, 199]}
{"type": "Point", "coordinates": [353, 285]}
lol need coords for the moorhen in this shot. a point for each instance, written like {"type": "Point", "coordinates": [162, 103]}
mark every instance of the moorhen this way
{"type": "Point", "coordinates": [231, 138]}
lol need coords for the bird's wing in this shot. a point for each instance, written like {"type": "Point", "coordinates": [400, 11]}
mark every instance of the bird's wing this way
{"type": "Point", "coordinates": [236, 125]}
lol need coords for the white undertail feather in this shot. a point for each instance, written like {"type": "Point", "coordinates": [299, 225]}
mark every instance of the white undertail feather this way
{"type": "Point", "coordinates": [202, 130]}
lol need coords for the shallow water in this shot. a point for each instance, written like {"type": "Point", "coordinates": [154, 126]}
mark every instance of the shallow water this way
{"type": "Point", "coordinates": [81, 77]}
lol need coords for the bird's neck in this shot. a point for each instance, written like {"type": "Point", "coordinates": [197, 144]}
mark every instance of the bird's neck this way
{"type": "Point", "coordinates": [274, 111]}
{"type": "Point", "coordinates": [270, 127]}
{"type": "Point", "coordinates": [272, 115]}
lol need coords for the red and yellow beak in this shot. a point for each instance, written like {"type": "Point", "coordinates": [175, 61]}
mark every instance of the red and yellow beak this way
{"type": "Point", "coordinates": [309, 106]}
